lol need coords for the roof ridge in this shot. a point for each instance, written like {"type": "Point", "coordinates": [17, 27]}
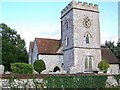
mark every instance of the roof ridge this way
{"type": "Point", "coordinates": [48, 39]}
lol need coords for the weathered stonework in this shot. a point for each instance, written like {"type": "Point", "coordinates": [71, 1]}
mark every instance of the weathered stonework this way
{"type": "Point", "coordinates": [113, 69]}
{"type": "Point", "coordinates": [52, 61]}
{"type": "Point", "coordinates": [22, 83]}
{"type": "Point", "coordinates": [75, 52]}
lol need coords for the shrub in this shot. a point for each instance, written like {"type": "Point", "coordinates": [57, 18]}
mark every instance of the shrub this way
{"type": "Point", "coordinates": [22, 68]}
{"type": "Point", "coordinates": [87, 81]}
{"type": "Point", "coordinates": [103, 65]}
{"type": "Point", "coordinates": [39, 66]}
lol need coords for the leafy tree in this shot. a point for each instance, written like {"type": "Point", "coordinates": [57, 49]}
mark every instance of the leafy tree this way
{"type": "Point", "coordinates": [39, 65]}
{"type": "Point", "coordinates": [103, 65]}
{"type": "Point", "coordinates": [13, 47]}
{"type": "Point", "coordinates": [110, 45]}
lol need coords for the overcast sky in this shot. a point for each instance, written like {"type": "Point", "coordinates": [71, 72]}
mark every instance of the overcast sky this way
{"type": "Point", "coordinates": [42, 19]}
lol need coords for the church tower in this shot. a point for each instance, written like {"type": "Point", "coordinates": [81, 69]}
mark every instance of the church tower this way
{"type": "Point", "coordinates": [80, 34]}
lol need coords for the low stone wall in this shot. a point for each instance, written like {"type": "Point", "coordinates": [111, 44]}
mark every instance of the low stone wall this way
{"type": "Point", "coordinates": [22, 83]}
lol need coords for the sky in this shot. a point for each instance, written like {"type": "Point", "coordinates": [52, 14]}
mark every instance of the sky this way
{"type": "Point", "coordinates": [119, 20]}
{"type": "Point", "coordinates": [42, 18]}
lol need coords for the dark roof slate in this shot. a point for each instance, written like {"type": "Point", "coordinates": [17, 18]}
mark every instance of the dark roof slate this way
{"type": "Point", "coordinates": [47, 46]}
{"type": "Point", "coordinates": [108, 55]}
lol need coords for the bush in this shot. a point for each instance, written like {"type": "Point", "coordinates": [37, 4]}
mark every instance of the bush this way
{"type": "Point", "coordinates": [89, 81]}
{"type": "Point", "coordinates": [22, 68]}
{"type": "Point", "coordinates": [39, 66]}
{"type": "Point", "coordinates": [103, 65]}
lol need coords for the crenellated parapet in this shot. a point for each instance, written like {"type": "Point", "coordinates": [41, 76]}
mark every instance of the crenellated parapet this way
{"type": "Point", "coordinates": [79, 5]}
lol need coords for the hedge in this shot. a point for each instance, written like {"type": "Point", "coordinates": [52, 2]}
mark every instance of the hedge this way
{"type": "Point", "coordinates": [76, 81]}
{"type": "Point", "coordinates": [117, 77]}
{"type": "Point", "coordinates": [21, 68]}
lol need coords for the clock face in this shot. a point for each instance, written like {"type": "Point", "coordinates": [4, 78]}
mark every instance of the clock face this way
{"type": "Point", "coordinates": [86, 22]}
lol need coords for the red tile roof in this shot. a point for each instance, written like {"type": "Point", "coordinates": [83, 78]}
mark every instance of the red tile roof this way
{"type": "Point", "coordinates": [108, 55]}
{"type": "Point", "coordinates": [32, 45]}
{"type": "Point", "coordinates": [47, 46]}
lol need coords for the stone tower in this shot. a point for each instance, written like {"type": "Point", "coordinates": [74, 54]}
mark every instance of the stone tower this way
{"type": "Point", "coordinates": [80, 34]}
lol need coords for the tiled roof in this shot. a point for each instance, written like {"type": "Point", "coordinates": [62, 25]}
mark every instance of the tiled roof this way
{"type": "Point", "coordinates": [47, 46]}
{"type": "Point", "coordinates": [32, 45]}
{"type": "Point", "coordinates": [108, 55]}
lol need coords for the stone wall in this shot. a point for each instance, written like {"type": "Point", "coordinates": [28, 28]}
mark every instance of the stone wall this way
{"type": "Point", "coordinates": [35, 52]}
{"type": "Point", "coordinates": [72, 18]}
{"type": "Point", "coordinates": [22, 83]}
{"type": "Point", "coordinates": [51, 61]}
{"type": "Point", "coordinates": [113, 69]}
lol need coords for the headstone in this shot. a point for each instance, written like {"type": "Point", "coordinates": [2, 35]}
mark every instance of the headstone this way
{"type": "Point", "coordinates": [7, 72]}
{"type": "Point", "coordinates": [111, 81]}
{"type": "Point", "coordinates": [35, 72]}
{"type": "Point", "coordinates": [45, 72]}
{"type": "Point", "coordinates": [1, 69]}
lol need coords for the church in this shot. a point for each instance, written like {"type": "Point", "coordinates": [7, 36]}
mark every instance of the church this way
{"type": "Point", "coordinates": [79, 49]}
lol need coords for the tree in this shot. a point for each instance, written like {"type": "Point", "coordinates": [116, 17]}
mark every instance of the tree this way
{"type": "Point", "coordinates": [103, 65]}
{"type": "Point", "coordinates": [13, 47]}
{"type": "Point", "coordinates": [110, 45]}
{"type": "Point", "coordinates": [39, 65]}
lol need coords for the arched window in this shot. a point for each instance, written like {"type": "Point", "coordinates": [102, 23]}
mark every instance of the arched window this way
{"type": "Point", "coordinates": [87, 37]}
{"type": "Point", "coordinates": [56, 69]}
{"type": "Point", "coordinates": [88, 62]}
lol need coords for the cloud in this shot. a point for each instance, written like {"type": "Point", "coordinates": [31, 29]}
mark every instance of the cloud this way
{"type": "Point", "coordinates": [41, 31]}
{"type": "Point", "coordinates": [106, 36]}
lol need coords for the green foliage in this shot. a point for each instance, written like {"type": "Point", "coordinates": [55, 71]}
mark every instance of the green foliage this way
{"type": "Point", "coordinates": [21, 68]}
{"type": "Point", "coordinates": [13, 47]}
{"type": "Point", "coordinates": [103, 65]}
{"type": "Point", "coordinates": [117, 78]}
{"type": "Point", "coordinates": [76, 81]}
{"type": "Point", "coordinates": [39, 66]}
{"type": "Point", "coordinates": [0, 49]}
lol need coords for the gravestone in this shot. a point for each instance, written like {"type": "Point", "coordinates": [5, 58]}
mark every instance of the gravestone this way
{"type": "Point", "coordinates": [1, 69]}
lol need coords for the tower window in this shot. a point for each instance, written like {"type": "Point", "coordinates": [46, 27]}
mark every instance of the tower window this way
{"type": "Point", "coordinates": [66, 25]}
{"type": "Point", "coordinates": [87, 39]}
{"type": "Point", "coordinates": [88, 62]}
{"type": "Point", "coordinates": [67, 41]}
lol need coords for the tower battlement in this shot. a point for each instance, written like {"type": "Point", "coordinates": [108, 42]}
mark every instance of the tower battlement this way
{"type": "Point", "coordinates": [79, 5]}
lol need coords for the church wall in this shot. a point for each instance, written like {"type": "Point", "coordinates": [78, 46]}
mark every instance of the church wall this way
{"type": "Point", "coordinates": [67, 32]}
{"type": "Point", "coordinates": [68, 59]}
{"type": "Point", "coordinates": [113, 69]}
{"type": "Point", "coordinates": [80, 54]}
{"type": "Point", "coordinates": [51, 61]}
{"type": "Point", "coordinates": [80, 30]}
{"type": "Point", "coordinates": [35, 52]}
